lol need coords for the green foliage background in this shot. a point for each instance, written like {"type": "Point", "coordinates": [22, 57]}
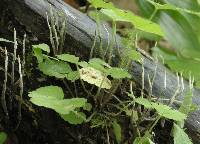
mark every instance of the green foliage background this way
{"type": "Point", "coordinates": [180, 21]}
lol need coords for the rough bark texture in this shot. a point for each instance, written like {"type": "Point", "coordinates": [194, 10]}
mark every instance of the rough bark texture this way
{"type": "Point", "coordinates": [31, 14]}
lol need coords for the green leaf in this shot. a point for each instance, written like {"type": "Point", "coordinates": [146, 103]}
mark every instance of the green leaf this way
{"type": "Point", "coordinates": [95, 77]}
{"type": "Point", "coordinates": [83, 64]}
{"type": "Point", "coordinates": [5, 40]}
{"type": "Point", "coordinates": [49, 92]}
{"type": "Point", "coordinates": [185, 66]}
{"type": "Point", "coordinates": [163, 110]}
{"type": "Point", "coordinates": [52, 97]}
{"type": "Point", "coordinates": [146, 9]}
{"type": "Point", "coordinates": [133, 55]}
{"type": "Point", "coordinates": [98, 121]}
{"type": "Point", "coordinates": [133, 114]}
{"type": "Point", "coordinates": [194, 107]}
{"type": "Point", "coordinates": [74, 117]}
{"type": "Point", "coordinates": [180, 34]}
{"type": "Point", "coordinates": [186, 105]}
{"type": "Point", "coordinates": [49, 96]}
{"type": "Point", "coordinates": [48, 102]}
{"type": "Point", "coordinates": [60, 106]}
{"type": "Point", "coordinates": [98, 16]}
{"type": "Point", "coordinates": [87, 107]}
{"type": "Point", "coordinates": [37, 49]}
{"type": "Point", "coordinates": [172, 7]}
{"type": "Point", "coordinates": [38, 54]}
{"type": "Point", "coordinates": [67, 105]}
{"type": "Point", "coordinates": [142, 140]}
{"type": "Point", "coordinates": [197, 84]}
{"type": "Point", "coordinates": [43, 47]}
{"type": "Point", "coordinates": [187, 102]}
{"type": "Point", "coordinates": [55, 68]}
{"type": "Point", "coordinates": [72, 76]}
{"type": "Point", "coordinates": [118, 73]}
{"type": "Point", "coordinates": [101, 4]}
{"type": "Point", "coordinates": [139, 22]}
{"type": "Point", "coordinates": [117, 131]}
{"type": "Point", "coordinates": [178, 64]}
{"type": "Point", "coordinates": [180, 27]}
{"type": "Point", "coordinates": [186, 4]}
{"type": "Point", "coordinates": [99, 61]}
{"type": "Point", "coordinates": [99, 64]}
{"type": "Point", "coordinates": [68, 58]}
{"type": "Point", "coordinates": [3, 137]}
{"type": "Point", "coordinates": [126, 16]}
{"type": "Point", "coordinates": [180, 137]}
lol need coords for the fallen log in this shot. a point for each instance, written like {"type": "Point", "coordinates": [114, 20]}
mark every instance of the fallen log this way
{"type": "Point", "coordinates": [79, 40]}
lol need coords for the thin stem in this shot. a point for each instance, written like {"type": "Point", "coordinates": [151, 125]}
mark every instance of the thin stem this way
{"type": "Point", "coordinates": [13, 70]}
{"type": "Point", "coordinates": [75, 89]}
{"type": "Point", "coordinates": [93, 46]}
{"type": "Point", "coordinates": [108, 37]}
{"type": "Point", "coordinates": [90, 117]}
{"type": "Point", "coordinates": [23, 54]}
{"type": "Point", "coordinates": [176, 92]}
{"type": "Point", "coordinates": [99, 88]}
{"type": "Point", "coordinates": [112, 42]}
{"type": "Point", "coordinates": [142, 91]}
{"type": "Point", "coordinates": [51, 35]}
{"type": "Point", "coordinates": [153, 14]}
{"type": "Point", "coordinates": [15, 44]}
{"type": "Point", "coordinates": [154, 124]}
{"type": "Point", "coordinates": [63, 31]}
{"type": "Point", "coordinates": [99, 35]}
{"type": "Point", "coordinates": [68, 88]}
{"type": "Point", "coordinates": [115, 86]}
{"type": "Point", "coordinates": [56, 37]}
{"type": "Point", "coordinates": [21, 85]}
{"type": "Point", "coordinates": [108, 137]}
{"type": "Point", "coordinates": [3, 99]}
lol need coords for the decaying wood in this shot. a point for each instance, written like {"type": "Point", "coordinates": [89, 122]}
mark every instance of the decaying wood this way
{"type": "Point", "coordinates": [79, 40]}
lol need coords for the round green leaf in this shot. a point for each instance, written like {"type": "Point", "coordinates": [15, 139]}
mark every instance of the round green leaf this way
{"type": "Point", "coordinates": [118, 73]}
{"type": "Point", "coordinates": [74, 117]}
{"type": "Point", "coordinates": [52, 92]}
{"type": "Point", "coordinates": [55, 68]}
{"type": "Point", "coordinates": [43, 47]}
{"type": "Point", "coordinates": [68, 58]}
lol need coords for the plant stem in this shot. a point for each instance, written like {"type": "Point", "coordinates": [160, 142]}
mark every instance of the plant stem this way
{"type": "Point", "coordinates": [21, 85]}
{"type": "Point", "coordinates": [112, 42]}
{"type": "Point", "coordinates": [93, 46]}
{"type": "Point", "coordinates": [68, 88]}
{"type": "Point", "coordinates": [3, 99]}
{"type": "Point", "coordinates": [154, 124]}
{"type": "Point", "coordinates": [153, 14]}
